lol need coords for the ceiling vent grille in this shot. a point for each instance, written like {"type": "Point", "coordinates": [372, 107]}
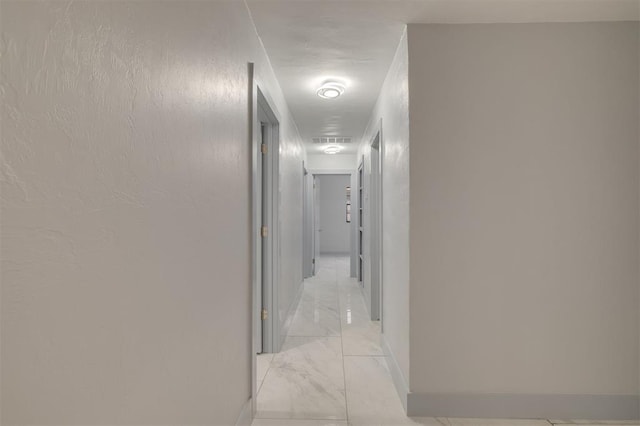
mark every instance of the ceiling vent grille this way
{"type": "Point", "coordinates": [331, 139]}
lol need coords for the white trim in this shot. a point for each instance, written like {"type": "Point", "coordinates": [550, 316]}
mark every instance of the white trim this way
{"type": "Point", "coordinates": [245, 418]}
{"type": "Point", "coordinates": [396, 373]}
{"type": "Point", "coordinates": [525, 406]}
{"type": "Point", "coordinates": [256, 302]}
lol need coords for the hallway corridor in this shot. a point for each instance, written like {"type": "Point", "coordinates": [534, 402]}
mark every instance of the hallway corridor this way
{"type": "Point", "coordinates": [331, 367]}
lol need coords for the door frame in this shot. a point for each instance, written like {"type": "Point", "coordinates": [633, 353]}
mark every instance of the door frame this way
{"type": "Point", "coordinates": [307, 223]}
{"type": "Point", "coordinates": [258, 107]}
{"type": "Point", "coordinates": [352, 175]}
{"type": "Point", "coordinates": [360, 222]}
{"type": "Point", "coordinates": [375, 220]}
{"type": "Point", "coordinates": [256, 246]}
{"type": "Point", "coordinates": [315, 223]}
{"type": "Point", "coordinates": [271, 243]}
{"type": "Point", "coordinates": [376, 223]}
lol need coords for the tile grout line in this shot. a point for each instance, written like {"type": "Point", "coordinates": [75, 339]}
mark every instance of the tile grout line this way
{"type": "Point", "coordinates": [264, 377]}
{"type": "Point", "coordinates": [344, 372]}
{"type": "Point", "coordinates": [366, 356]}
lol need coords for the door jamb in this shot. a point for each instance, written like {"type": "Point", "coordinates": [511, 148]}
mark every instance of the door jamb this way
{"type": "Point", "coordinates": [256, 255]}
{"type": "Point", "coordinates": [256, 101]}
{"type": "Point", "coordinates": [307, 223]}
{"type": "Point", "coordinates": [271, 326]}
{"type": "Point", "coordinates": [379, 216]}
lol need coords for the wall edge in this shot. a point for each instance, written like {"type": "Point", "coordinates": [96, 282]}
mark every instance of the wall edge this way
{"type": "Point", "coordinates": [245, 418]}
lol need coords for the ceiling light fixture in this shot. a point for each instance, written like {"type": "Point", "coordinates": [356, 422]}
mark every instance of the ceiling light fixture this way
{"type": "Point", "coordinates": [330, 90]}
{"type": "Point", "coordinates": [332, 149]}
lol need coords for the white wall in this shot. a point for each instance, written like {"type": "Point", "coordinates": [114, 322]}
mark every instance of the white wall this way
{"type": "Point", "coordinates": [125, 211]}
{"type": "Point", "coordinates": [335, 237]}
{"type": "Point", "coordinates": [524, 210]}
{"type": "Point", "coordinates": [392, 110]}
{"type": "Point", "coordinates": [331, 162]}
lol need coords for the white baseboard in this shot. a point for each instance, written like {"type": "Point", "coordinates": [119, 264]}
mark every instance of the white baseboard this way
{"type": "Point", "coordinates": [525, 406]}
{"type": "Point", "coordinates": [398, 378]}
{"type": "Point", "coordinates": [246, 414]}
{"type": "Point", "coordinates": [592, 407]}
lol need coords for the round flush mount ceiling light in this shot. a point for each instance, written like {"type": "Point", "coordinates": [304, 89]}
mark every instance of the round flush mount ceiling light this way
{"type": "Point", "coordinates": [332, 149]}
{"type": "Point", "coordinates": [330, 90]}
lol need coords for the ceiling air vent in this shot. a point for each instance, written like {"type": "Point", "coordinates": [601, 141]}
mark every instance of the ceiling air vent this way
{"type": "Point", "coordinates": [331, 139]}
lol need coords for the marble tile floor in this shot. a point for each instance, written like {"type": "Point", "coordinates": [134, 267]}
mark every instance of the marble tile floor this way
{"type": "Point", "coordinates": [331, 370]}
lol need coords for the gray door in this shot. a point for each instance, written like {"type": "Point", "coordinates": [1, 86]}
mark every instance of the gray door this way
{"type": "Point", "coordinates": [265, 262]}
{"type": "Point", "coordinates": [360, 222]}
{"type": "Point", "coordinates": [268, 214]}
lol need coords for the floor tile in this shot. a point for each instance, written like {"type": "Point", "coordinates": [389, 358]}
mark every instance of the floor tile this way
{"type": "Point", "coordinates": [262, 365]}
{"type": "Point", "coordinates": [313, 352]}
{"type": "Point", "coordinates": [492, 422]}
{"type": "Point", "coordinates": [320, 292]}
{"type": "Point", "coordinates": [362, 339]}
{"type": "Point", "coordinates": [314, 318]}
{"type": "Point", "coordinates": [303, 393]}
{"type": "Point", "coordinates": [371, 396]}
{"type": "Point", "coordinates": [298, 422]}
{"type": "Point", "coordinates": [305, 380]}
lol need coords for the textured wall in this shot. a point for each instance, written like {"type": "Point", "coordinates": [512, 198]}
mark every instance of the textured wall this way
{"type": "Point", "coordinates": [125, 211]}
{"type": "Point", "coordinates": [524, 208]}
{"type": "Point", "coordinates": [392, 110]}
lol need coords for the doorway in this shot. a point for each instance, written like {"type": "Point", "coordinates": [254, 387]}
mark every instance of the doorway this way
{"type": "Point", "coordinates": [307, 224]}
{"type": "Point", "coordinates": [265, 223]}
{"type": "Point", "coordinates": [332, 214]}
{"type": "Point", "coordinates": [329, 218]}
{"type": "Point", "coordinates": [369, 181]}
{"type": "Point", "coordinates": [376, 229]}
